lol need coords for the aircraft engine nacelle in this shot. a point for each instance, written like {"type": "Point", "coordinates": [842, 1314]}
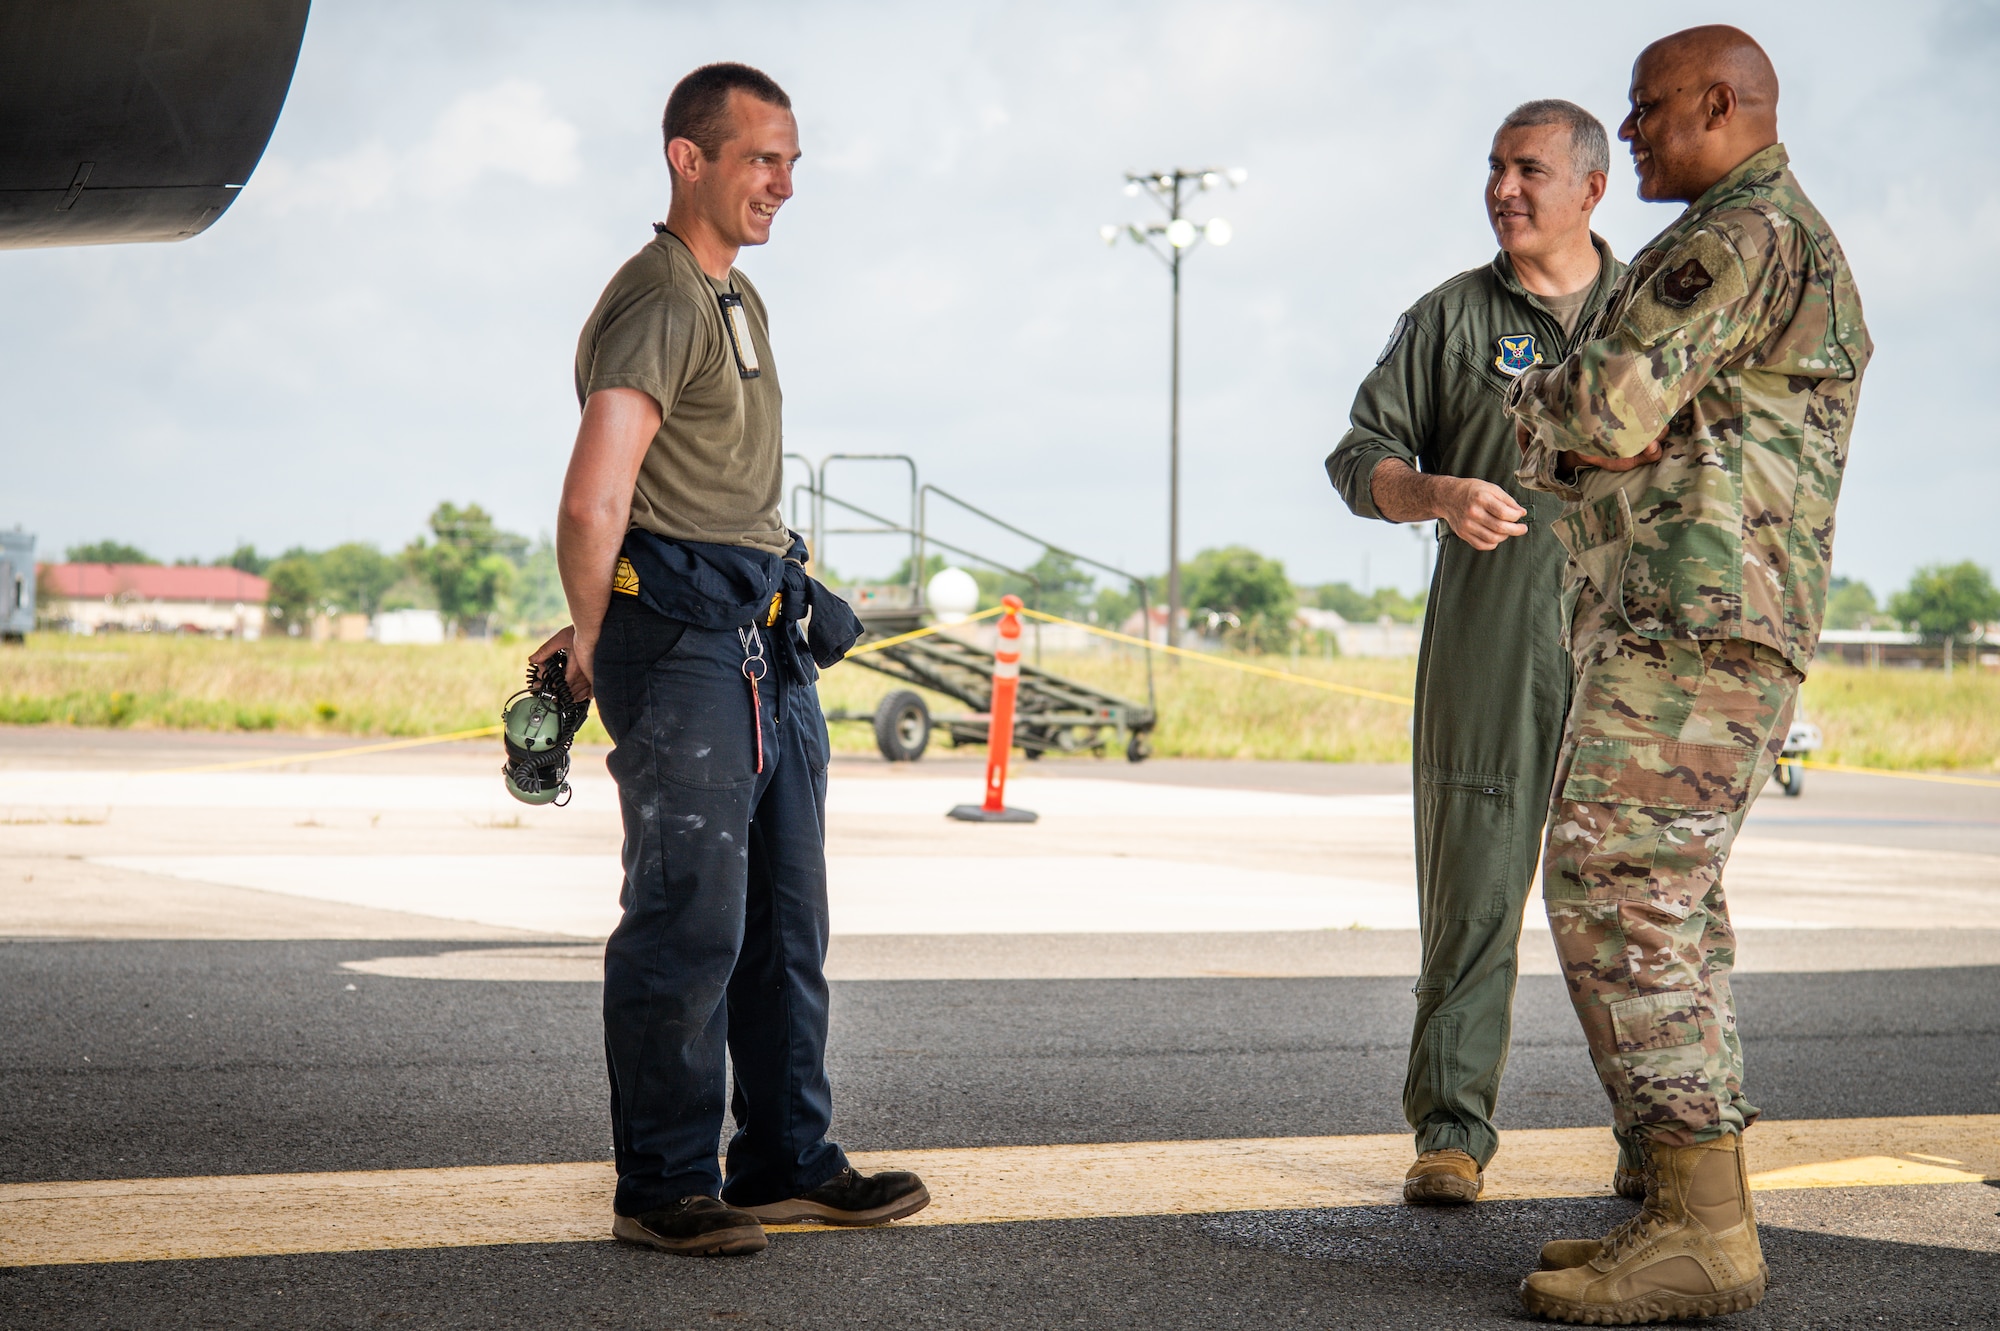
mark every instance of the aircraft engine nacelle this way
{"type": "Point", "coordinates": [135, 120]}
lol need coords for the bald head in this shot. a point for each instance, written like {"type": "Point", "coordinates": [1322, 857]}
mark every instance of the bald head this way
{"type": "Point", "coordinates": [1703, 100]}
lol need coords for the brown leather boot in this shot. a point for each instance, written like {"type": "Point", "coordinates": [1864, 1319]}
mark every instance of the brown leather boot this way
{"type": "Point", "coordinates": [1692, 1252]}
{"type": "Point", "coordinates": [1448, 1177]}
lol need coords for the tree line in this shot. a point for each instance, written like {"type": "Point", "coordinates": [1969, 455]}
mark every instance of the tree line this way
{"type": "Point", "coordinates": [476, 575]}
{"type": "Point", "coordinates": [1944, 602]}
{"type": "Point", "coordinates": [1232, 593]}
{"type": "Point", "coordinates": [470, 571]}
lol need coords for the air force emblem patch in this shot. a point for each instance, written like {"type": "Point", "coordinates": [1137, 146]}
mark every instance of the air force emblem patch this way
{"type": "Point", "coordinates": [1517, 353]}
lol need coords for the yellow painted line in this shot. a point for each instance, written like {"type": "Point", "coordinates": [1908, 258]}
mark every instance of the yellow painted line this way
{"type": "Point", "coordinates": [135, 1220]}
{"type": "Point", "coordinates": [1817, 766]}
{"type": "Point", "coordinates": [281, 761]}
{"type": "Point", "coordinates": [1868, 1171]}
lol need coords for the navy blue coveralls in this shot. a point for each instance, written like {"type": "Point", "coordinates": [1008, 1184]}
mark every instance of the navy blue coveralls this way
{"type": "Point", "coordinates": [722, 945]}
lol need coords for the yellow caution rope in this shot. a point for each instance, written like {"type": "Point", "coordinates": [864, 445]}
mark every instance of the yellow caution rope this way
{"type": "Point", "coordinates": [879, 644]}
{"type": "Point", "coordinates": [283, 759]}
{"type": "Point", "coordinates": [1225, 662]}
{"type": "Point", "coordinates": [1817, 766]}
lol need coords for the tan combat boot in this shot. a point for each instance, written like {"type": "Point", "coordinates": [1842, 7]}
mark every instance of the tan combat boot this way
{"type": "Point", "coordinates": [1692, 1252]}
{"type": "Point", "coordinates": [1448, 1177]}
{"type": "Point", "coordinates": [1561, 1254]}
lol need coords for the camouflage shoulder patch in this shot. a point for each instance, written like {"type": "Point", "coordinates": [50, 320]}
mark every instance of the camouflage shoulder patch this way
{"type": "Point", "coordinates": [1703, 273]}
{"type": "Point", "coordinates": [1395, 338]}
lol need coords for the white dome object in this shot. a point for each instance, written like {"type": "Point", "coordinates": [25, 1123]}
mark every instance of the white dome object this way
{"type": "Point", "coordinates": [953, 594]}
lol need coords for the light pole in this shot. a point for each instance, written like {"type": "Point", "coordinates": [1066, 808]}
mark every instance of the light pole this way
{"type": "Point", "coordinates": [1171, 190]}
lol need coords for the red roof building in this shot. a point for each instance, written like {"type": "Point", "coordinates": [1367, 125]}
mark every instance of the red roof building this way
{"type": "Point", "coordinates": [153, 598]}
{"type": "Point", "coordinates": [154, 582]}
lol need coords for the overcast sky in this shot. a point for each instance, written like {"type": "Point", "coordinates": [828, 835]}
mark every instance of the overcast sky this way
{"type": "Point", "coordinates": [388, 315]}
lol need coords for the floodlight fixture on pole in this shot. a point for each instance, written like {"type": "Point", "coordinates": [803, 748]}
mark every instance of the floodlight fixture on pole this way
{"type": "Point", "coordinates": [1169, 240]}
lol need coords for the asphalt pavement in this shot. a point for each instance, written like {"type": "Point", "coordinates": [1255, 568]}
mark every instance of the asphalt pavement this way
{"type": "Point", "coordinates": [134, 1058]}
{"type": "Point", "coordinates": [153, 1059]}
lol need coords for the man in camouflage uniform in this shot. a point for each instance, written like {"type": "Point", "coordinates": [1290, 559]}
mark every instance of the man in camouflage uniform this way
{"type": "Point", "coordinates": [1699, 436]}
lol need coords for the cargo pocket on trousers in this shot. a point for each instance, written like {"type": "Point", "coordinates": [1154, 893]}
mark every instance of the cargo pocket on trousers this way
{"type": "Point", "coordinates": [1467, 849]}
{"type": "Point", "coordinates": [1655, 1021]}
{"type": "Point", "coordinates": [1646, 820]}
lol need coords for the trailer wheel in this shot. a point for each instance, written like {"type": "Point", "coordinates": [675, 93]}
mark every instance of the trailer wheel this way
{"type": "Point", "coordinates": [1138, 749]}
{"type": "Point", "coordinates": [1791, 778]}
{"type": "Point", "coordinates": [902, 726]}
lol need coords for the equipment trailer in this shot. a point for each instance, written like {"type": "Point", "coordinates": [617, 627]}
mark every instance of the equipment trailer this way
{"type": "Point", "coordinates": [1050, 712]}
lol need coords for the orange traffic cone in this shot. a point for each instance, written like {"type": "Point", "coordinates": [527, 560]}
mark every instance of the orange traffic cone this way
{"type": "Point", "coordinates": [1000, 729]}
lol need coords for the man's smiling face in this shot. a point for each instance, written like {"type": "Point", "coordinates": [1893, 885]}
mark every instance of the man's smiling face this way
{"type": "Point", "coordinates": [1536, 198]}
{"type": "Point", "coordinates": [740, 192]}
{"type": "Point", "coordinates": [1664, 127]}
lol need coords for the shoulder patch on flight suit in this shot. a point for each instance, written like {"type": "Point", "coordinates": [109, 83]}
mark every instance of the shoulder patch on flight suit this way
{"type": "Point", "coordinates": [1395, 337]}
{"type": "Point", "coordinates": [1703, 273]}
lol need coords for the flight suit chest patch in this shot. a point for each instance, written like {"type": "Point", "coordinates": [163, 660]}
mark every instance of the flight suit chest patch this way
{"type": "Point", "coordinates": [1517, 353]}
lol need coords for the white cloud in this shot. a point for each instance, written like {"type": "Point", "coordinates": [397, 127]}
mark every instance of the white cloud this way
{"type": "Point", "coordinates": [507, 130]}
{"type": "Point", "coordinates": [389, 314]}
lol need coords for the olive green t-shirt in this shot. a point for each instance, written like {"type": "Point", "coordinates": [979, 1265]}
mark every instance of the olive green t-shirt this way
{"type": "Point", "coordinates": [1567, 308]}
{"type": "Point", "coordinates": [714, 472]}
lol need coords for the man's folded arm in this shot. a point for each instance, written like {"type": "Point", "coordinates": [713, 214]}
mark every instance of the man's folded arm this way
{"type": "Point", "coordinates": [1705, 302]}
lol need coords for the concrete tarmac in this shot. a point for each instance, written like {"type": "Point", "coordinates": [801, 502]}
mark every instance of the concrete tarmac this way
{"type": "Point", "coordinates": [148, 1040]}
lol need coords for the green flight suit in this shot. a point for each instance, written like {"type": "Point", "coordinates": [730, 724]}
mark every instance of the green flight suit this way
{"type": "Point", "coordinates": [1493, 677]}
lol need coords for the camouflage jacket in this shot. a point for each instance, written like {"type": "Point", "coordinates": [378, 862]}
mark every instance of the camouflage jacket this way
{"type": "Point", "coordinates": [1736, 341]}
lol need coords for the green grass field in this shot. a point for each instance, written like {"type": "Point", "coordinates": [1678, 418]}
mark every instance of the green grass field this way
{"type": "Point", "coordinates": [1886, 718]}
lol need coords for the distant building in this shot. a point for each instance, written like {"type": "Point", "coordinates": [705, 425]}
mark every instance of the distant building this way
{"type": "Point", "coordinates": [153, 598]}
{"type": "Point", "coordinates": [1882, 647]}
{"type": "Point", "coordinates": [1385, 637]}
{"type": "Point", "coordinates": [17, 585]}
{"type": "Point", "coordinates": [422, 627]}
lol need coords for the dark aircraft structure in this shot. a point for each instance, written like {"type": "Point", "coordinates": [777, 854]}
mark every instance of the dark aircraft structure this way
{"type": "Point", "coordinates": [135, 120]}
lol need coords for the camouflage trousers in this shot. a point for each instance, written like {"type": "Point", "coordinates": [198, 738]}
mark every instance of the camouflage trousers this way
{"type": "Point", "coordinates": [1666, 744]}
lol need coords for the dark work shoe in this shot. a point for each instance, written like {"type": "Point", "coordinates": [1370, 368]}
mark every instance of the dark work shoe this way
{"type": "Point", "coordinates": [852, 1198]}
{"type": "Point", "coordinates": [694, 1227]}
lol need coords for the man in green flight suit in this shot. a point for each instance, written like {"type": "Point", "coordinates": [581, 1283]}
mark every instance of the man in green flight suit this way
{"type": "Point", "coordinates": [1698, 434]}
{"type": "Point", "coordinates": [1430, 441]}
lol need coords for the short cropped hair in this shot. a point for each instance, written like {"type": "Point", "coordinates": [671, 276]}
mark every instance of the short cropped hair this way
{"type": "Point", "coordinates": [1589, 147]}
{"type": "Point", "coordinates": [698, 107]}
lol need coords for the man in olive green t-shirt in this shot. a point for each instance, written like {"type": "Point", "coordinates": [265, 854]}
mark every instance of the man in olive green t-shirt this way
{"type": "Point", "coordinates": [663, 327]}
{"type": "Point", "coordinates": [687, 633]}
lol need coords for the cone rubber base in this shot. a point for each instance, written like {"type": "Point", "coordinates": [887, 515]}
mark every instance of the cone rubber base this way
{"type": "Point", "coordinates": [974, 813]}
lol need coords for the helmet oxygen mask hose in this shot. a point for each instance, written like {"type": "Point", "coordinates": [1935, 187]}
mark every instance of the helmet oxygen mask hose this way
{"type": "Point", "coordinates": [538, 725]}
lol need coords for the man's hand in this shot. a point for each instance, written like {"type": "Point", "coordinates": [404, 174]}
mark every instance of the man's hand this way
{"type": "Point", "coordinates": [1572, 461]}
{"type": "Point", "coordinates": [1479, 513]}
{"type": "Point", "coordinates": [578, 671]}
